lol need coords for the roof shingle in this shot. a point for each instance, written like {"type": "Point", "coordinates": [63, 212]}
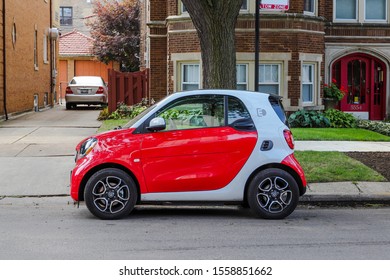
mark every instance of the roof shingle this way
{"type": "Point", "coordinates": [75, 44]}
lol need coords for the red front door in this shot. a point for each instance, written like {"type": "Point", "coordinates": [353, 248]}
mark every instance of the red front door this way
{"type": "Point", "coordinates": [362, 76]}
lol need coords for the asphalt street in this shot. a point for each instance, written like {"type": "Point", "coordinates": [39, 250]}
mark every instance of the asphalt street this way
{"type": "Point", "coordinates": [53, 228]}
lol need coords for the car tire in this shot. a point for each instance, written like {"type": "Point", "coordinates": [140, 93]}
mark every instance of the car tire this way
{"type": "Point", "coordinates": [110, 194]}
{"type": "Point", "coordinates": [273, 194]}
{"type": "Point", "coordinates": [68, 106]}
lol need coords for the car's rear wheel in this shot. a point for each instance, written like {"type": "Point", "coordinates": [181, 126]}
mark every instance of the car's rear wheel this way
{"type": "Point", "coordinates": [68, 106]}
{"type": "Point", "coordinates": [110, 194]}
{"type": "Point", "coordinates": [273, 194]}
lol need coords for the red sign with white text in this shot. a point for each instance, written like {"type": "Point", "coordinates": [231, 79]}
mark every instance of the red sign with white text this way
{"type": "Point", "coordinates": [275, 5]}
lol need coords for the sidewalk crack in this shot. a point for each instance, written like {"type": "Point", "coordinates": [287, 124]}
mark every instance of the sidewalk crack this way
{"type": "Point", "coordinates": [24, 136]}
{"type": "Point", "coordinates": [357, 186]}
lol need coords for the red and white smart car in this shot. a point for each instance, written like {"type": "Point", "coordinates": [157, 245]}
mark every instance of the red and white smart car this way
{"type": "Point", "coordinates": [197, 146]}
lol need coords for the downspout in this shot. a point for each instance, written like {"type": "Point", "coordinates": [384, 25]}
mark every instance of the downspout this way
{"type": "Point", "coordinates": [51, 55]}
{"type": "Point", "coordinates": [4, 63]}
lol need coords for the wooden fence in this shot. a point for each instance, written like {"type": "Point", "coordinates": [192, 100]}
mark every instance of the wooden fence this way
{"type": "Point", "coordinates": [127, 87]}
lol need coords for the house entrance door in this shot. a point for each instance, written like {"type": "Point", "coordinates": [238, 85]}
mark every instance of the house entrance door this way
{"type": "Point", "coordinates": [362, 76]}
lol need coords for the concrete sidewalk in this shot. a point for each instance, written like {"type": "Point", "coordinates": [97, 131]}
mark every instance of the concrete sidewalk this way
{"type": "Point", "coordinates": [342, 146]}
{"type": "Point", "coordinates": [37, 150]}
{"type": "Point", "coordinates": [37, 154]}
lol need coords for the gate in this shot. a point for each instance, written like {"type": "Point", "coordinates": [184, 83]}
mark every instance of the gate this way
{"type": "Point", "coordinates": [127, 87]}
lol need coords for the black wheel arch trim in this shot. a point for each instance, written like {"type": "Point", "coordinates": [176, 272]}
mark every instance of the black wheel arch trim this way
{"type": "Point", "coordinates": [103, 166]}
{"type": "Point", "coordinates": [301, 187]}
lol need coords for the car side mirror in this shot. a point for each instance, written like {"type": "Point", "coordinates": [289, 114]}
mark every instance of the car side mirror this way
{"type": "Point", "coordinates": [157, 124]}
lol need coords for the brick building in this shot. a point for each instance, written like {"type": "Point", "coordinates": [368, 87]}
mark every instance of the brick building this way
{"type": "Point", "coordinates": [312, 43]}
{"type": "Point", "coordinates": [28, 55]}
{"type": "Point", "coordinates": [74, 15]}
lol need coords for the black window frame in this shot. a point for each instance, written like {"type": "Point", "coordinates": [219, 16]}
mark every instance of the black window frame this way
{"type": "Point", "coordinates": [68, 21]}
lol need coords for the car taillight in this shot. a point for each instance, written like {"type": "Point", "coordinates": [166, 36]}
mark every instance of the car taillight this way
{"type": "Point", "coordinates": [100, 90]}
{"type": "Point", "coordinates": [68, 90]}
{"type": "Point", "coordinates": [289, 138]}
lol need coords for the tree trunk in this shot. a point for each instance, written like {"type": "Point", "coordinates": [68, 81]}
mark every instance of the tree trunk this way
{"type": "Point", "coordinates": [215, 22]}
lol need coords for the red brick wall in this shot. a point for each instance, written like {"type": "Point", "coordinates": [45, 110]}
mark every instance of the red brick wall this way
{"type": "Point", "coordinates": [23, 81]}
{"type": "Point", "coordinates": [2, 112]}
{"type": "Point", "coordinates": [158, 67]}
{"type": "Point", "coordinates": [293, 33]}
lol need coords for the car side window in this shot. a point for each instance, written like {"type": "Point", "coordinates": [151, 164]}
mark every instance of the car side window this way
{"type": "Point", "coordinates": [194, 112]}
{"type": "Point", "coordinates": [236, 110]}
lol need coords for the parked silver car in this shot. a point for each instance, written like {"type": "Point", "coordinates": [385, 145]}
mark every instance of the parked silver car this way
{"type": "Point", "coordinates": [89, 90]}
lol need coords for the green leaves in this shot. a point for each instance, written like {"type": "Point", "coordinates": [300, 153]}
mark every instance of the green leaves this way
{"type": "Point", "coordinates": [304, 118]}
{"type": "Point", "coordinates": [339, 119]}
{"type": "Point", "coordinates": [116, 30]}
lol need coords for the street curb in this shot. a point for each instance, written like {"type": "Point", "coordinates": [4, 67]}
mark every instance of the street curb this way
{"type": "Point", "coordinates": [345, 199]}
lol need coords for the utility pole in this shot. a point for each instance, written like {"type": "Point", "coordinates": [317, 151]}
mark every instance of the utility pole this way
{"type": "Point", "coordinates": [257, 44]}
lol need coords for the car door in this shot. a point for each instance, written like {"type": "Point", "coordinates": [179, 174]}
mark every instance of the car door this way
{"type": "Point", "coordinates": [198, 150]}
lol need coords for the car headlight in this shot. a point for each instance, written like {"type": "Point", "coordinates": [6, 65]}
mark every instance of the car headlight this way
{"type": "Point", "coordinates": [86, 148]}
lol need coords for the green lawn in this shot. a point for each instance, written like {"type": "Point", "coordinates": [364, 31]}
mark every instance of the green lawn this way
{"type": "Point", "coordinates": [111, 124]}
{"type": "Point", "coordinates": [335, 167]}
{"type": "Point", "coordinates": [338, 134]}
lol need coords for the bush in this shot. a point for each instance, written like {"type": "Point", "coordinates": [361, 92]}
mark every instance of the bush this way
{"type": "Point", "coordinates": [340, 119]}
{"type": "Point", "coordinates": [377, 126]}
{"type": "Point", "coordinates": [303, 118]}
{"type": "Point", "coordinates": [123, 111]}
{"type": "Point", "coordinates": [103, 114]}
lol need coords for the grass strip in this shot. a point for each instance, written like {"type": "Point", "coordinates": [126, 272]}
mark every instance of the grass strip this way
{"type": "Point", "coordinates": [338, 134]}
{"type": "Point", "coordinates": [335, 167]}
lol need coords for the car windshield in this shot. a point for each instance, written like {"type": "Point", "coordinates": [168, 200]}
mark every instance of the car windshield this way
{"type": "Point", "coordinates": [87, 81]}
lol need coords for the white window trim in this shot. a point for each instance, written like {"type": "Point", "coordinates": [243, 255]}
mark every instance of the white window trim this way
{"type": "Point", "coordinates": [181, 9]}
{"type": "Point", "coordinates": [246, 11]}
{"type": "Point", "coordinates": [182, 83]}
{"type": "Point", "coordinates": [313, 83]}
{"type": "Point", "coordinates": [279, 83]}
{"type": "Point", "coordinates": [316, 59]}
{"type": "Point", "coordinates": [45, 49]}
{"type": "Point", "coordinates": [360, 14]}
{"type": "Point", "coordinates": [184, 58]}
{"type": "Point", "coordinates": [246, 75]}
{"type": "Point", "coordinates": [315, 9]}
{"type": "Point", "coordinates": [376, 20]}
{"type": "Point", "coordinates": [345, 20]}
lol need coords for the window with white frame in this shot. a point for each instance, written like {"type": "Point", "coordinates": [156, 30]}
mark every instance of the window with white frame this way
{"type": "Point", "coordinates": [361, 10]}
{"type": "Point", "coordinates": [242, 76]}
{"type": "Point", "coordinates": [46, 49]}
{"type": "Point", "coordinates": [308, 82]}
{"type": "Point", "coordinates": [183, 8]}
{"type": "Point", "coordinates": [190, 77]}
{"type": "Point", "coordinates": [269, 78]}
{"type": "Point", "coordinates": [244, 6]}
{"type": "Point", "coordinates": [375, 10]}
{"type": "Point", "coordinates": [309, 6]}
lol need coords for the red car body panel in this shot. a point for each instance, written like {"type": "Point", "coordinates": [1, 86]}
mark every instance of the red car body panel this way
{"type": "Point", "coordinates": [293, 163]}
{"type": "Point", "coordinates": [198, 160]}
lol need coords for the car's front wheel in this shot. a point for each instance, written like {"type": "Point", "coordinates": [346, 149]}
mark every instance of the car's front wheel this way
{"type": "Point", "coordinates": [273, 194]}
{"type": "Point", "coordinates": [110, 194]}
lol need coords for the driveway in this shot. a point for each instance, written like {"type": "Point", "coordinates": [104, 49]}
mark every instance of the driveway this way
{"type": "Point", "coordinates": [37, 150]}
